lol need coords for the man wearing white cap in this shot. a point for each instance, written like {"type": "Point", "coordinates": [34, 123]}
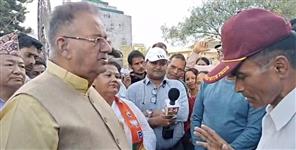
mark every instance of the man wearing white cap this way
{"type": "Point", "coordinates": [150, 95]}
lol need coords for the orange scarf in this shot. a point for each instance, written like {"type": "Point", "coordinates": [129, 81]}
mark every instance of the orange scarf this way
{"type": "Point", "coordinates": [132, 122]}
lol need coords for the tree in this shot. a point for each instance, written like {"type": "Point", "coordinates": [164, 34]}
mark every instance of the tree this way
{"type": "Point", "coordinates": [12, 13]}
{"type": "Point", "coordinates": [208, 19]}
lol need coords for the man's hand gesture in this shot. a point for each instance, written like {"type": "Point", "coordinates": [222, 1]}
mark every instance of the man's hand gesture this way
{"type": "Point", "coordinates": [212, 141]}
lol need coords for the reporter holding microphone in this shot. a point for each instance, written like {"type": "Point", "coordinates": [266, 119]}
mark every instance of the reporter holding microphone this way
{"type": "Point", "coordinates": [151, 95]}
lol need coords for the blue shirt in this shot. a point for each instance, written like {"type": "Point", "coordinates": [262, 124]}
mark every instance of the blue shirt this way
{"type": "Point", "coordinates": [2, 102]}
{"type": "Point", "coordinates": [228, 113]}
{"type": "Point", "coordinates": [141, 94]}
{"type": "Point", "coordinates": [122, 91]}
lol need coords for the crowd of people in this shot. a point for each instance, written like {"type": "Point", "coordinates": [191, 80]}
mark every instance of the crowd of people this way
{"type": "Point", "coordinates": [83, 98]}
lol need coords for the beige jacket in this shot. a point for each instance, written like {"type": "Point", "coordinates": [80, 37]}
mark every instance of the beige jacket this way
{"type": "Point", "coordinates": [56, 111]}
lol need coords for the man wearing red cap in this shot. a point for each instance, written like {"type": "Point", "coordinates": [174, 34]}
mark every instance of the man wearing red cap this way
{"type": "Point", "coordinates": [259, 49]}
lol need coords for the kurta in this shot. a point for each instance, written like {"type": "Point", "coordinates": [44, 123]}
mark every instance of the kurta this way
{"type": "Point", "coordinates": [57, 110]}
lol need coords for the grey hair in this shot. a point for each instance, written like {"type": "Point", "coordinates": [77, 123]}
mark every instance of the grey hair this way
{"type": "Point", "coordinates": [64, 15]}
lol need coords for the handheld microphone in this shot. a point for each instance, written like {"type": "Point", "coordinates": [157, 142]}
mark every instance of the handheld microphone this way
{"type": "Point", "coordinates": [171, 111]}
{"type": "Point", "coordinates": [172, 108]}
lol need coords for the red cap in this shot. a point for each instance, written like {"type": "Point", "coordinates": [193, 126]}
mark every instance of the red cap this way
{"type": "Point", "coordinates": [245, 34]}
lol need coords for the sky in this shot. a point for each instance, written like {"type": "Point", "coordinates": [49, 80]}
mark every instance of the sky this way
{"type": "Point", "coordinates": [147, 16]}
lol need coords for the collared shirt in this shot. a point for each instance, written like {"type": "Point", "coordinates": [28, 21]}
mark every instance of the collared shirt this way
{"type": "Point", "coordinates": [75, 81]}
{"type": "Point", "coordinates": [23, 115]}
{"type": "Point", "coordinates": [143, 92]}
{"type": "Point", "coordinates": [279, 125]}
{"type": "Point", "coordinates": [148, 134]}
{"type": "Point", "coordinates": [228, 113]}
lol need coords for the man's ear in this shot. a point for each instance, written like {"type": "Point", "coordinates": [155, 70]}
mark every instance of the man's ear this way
{"type": "Point", "coordinates": [281, 65]}
{"type": "Point", "coordinates": [63, 47]}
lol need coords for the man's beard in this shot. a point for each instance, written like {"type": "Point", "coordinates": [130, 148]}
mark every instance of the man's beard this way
{"type": "Point", "coordinates": [139, 74]}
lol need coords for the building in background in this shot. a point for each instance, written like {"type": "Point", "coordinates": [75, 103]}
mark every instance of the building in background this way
{"type": "Point", "coordinates": [118, 25]}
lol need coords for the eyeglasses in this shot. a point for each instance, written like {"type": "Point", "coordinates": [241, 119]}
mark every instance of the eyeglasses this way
{"type": "Point", "coordinates": [98, 41]}
{"type": "Point", "coordinates": [153, 99]}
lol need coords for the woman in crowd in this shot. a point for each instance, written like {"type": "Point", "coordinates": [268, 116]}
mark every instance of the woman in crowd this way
{"type": "Point", "coordinates": [203, 65]}
{"type": "Point", "coordinates": [136, 127]}
{"type": "Point", "coordinates": [191, 82]}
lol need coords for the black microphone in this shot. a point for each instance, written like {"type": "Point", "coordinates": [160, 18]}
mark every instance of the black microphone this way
{"type": "Point", "coordinates": [173, 95]}
{"type": "Point", "coordinates": [171, 110]}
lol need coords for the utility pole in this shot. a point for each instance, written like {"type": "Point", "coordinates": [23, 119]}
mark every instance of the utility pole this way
{"type": "Point", "coordinates": [44, 10]}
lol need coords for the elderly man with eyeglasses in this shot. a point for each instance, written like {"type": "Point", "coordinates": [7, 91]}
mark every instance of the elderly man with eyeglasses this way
{"type": "Point", "coordinates": [150, 95]}
{"type": "Point", "coordinates": [59, 109]}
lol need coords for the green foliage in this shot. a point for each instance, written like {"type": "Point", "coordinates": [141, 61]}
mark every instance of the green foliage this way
{"type": "Point", "coordinates": [12, 13]}
{"type": "Point", "coordinates": [206, 20]}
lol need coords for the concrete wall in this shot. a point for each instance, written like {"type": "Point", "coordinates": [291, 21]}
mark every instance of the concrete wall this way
{"type": "Point", "coordinates": [118, 27]}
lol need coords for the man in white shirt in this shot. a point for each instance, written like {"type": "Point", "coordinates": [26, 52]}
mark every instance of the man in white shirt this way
{"type": "Point", "coordinates": [259, 49]}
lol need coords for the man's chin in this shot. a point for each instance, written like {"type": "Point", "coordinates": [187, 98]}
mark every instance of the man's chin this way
{"type": "Point", "coordinates": [157, 77]}
{"type": "Point", "coordinates": [139, 73]}
{"type": "Point", "coordinates": [16, 85]}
